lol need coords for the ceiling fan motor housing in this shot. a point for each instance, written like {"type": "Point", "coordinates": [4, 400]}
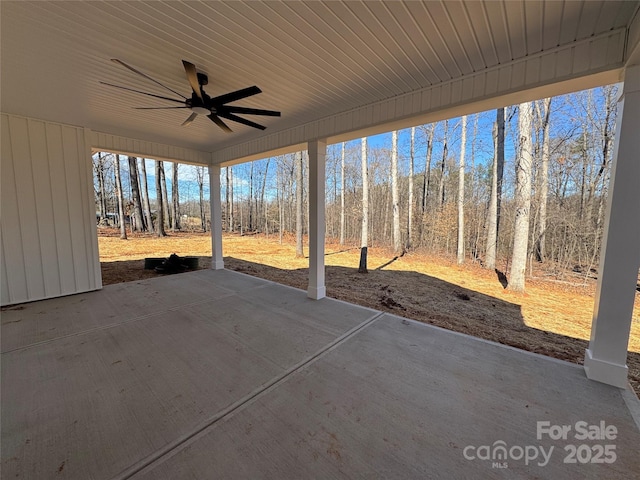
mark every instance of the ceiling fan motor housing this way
{"type": "Point", "coordinates": [203, 79]}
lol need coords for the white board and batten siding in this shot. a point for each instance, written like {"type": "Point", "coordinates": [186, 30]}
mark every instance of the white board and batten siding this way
{"type": "Point", "coordinates": [48, 236]}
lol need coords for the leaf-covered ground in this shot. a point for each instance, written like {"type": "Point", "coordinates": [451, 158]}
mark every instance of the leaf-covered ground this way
{"type": "Point", "coordinates": [552, 318]}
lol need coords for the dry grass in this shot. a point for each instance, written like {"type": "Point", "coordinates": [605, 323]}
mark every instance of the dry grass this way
{"type": "Point", "coordinates": [550, 318]}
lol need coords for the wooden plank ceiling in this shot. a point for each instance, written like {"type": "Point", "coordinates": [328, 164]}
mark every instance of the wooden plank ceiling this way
{"type": "Point", "coordinates": [311, 59]}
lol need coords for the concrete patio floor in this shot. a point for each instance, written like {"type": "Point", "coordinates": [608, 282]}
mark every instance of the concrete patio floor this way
{"type": "Point", "coordinates": [216, 375]}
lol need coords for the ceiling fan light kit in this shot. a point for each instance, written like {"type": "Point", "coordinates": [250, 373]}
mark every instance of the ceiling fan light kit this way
{"type": "Point", "coordinates": [202, 104]}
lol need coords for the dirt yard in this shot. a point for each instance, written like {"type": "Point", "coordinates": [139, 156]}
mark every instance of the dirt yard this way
{"type": "Point", "coordinates": [551, 318]}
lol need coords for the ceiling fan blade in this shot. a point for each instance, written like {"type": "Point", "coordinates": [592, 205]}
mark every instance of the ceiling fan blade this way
{"type": "Point", "coordinates": [146, 76]}
{"type": "Point", "coordinates": [144, 93]}
{"type": "Point", "coordinates": [215, 119]}
{"type": "Point", "coordinates": [237, 95]}
{"type": "Point", "coordinates": [235, 118]}
{"type": "Point", "coordinates": [157, 108]}
{"type": "Point", "coordinates": [192, 76]}
{"type": "Point", "coordinates": [249, 111]}
{"type": "Point", "coordinates": [191, 118]}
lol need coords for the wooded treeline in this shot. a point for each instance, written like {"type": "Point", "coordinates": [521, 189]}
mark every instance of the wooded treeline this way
{"type": "Point", "coordinates": [123, 190]}
{"type": "Point", "coordinates": [505, 188]}
{"type": "Point", "coordinates": [532, 176]}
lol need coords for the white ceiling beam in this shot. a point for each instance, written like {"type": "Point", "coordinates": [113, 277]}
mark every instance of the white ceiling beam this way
{"type": "Point", "coordinates": [107, 142]}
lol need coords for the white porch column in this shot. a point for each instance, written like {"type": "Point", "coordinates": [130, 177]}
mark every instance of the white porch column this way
{"type": "Point", "coordinates": [605, 359]}
{"type": "Point", "coordinates": [317, 152]}
{"type": "Point", "coordinates": [216, 218]}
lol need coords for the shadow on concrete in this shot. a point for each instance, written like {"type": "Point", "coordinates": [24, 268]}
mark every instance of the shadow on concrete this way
{"type": "Point", "coordinates": [431, 300]}
{"type": "Point", "coordinates": [413, 295]}
{"type": "Point", "coordinates": [132, 270]}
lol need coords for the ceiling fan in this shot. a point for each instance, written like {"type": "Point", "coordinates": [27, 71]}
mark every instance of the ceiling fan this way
{"type": "Point", "coordinates": [215, 108]}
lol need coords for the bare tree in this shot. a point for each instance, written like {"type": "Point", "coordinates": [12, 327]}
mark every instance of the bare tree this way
{"type": "Point", "coordinates": [410, 193]}
{"type": "Point", "coordinates": [280, 193]}
{"type": "Point", "coordinates": [463, 146]}
{"type": "Point", "coordinates": [342, 193]}
{"type": "Point", "coordinates": [99, 167]}
{"type": "Point", "coordinates": [500, 159]}
{"type": "Point", "coordinates": [395, 200]}
{"type": "Point", "coordinates": [604, 127]}
{"type": "Point", "coordinates": [544, 110]}
{"type": "Point", "coordinates": [251, 196]}
{"type": "Point", "coordinates": [299, 194]}
{"type": "Point", "coordinates": [364, 239]}
{"type": "Point", "coordinates": [200, 176]}
{"type": "Point", "coordinates": [441, 187]}
{"type": "Point", "coordinates": [497, 173]}
{"type": "Point", "coordinates": [262, 197]}
{"type": "Point", "coordinates": [121, 217]}
{"type": "Point", "coordinates": [160, 201]}
{"type": "Point", "coordinates": [166, 214]}
{"type": "Point", "coordinates": [492, 215]}
{"type": "Point", "coordinates": [427, 168]}
{"type": "Point", "coordinates": [229, 194]}
{"type": "Point", "coordinates": [145, 196]}
{"type": "Point", "coordinates": [522, 199]}
{"type": "Point", "coordinates": [175, 199]}
{"type": "Point", "coordinates": [138, 224]}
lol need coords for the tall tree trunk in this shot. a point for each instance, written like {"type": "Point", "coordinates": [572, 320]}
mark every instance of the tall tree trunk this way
{"type": "Point", "coordinates": [441, 191]}
{"type": "Point", "coordinates": [472, 194]}
{"type": "Point", "coordinates": [280, 182]}
{"type": "Point", "coordinates": [427, 169]}
{"type": "Point", "coordinates": [145, 196]}
{"type": "Point", "coordinates": [410, 199]}
{"type": "Point", "coordinates": [119, 195]}
{"type": "Point", "coordinates": [426, 181]}
{"type": "Point", "coordinates": [362, 268]}
{"type": "Point", "coordinates": [159, 196]}
{"type": "Point", "coordinates": [500, 162]}
{"type": "Point", "coordinates": [463, 146]}
{"type": "Point", "coordinates": [305, 197]}
{"type": "Point", "coordinates": [230, 212]}
{"type": "Point", "coordinates": [138, 224]}
{"type": "Point", "coordinates": [583, 181]}
{"type": "Point", "coordinates": [606, 139]}
{"type": "Point", "coordinates": [250, 196]}
{"type": "Point", "coordinates": [395, 200]}
{"type": "Point", "coordinates": [175, 199]}
{"type": "Point", "coordinates": [263, 207]}
{"type": "Point", "coordinates": [492, 215]}
{"type": "Point", "coordinates": [299, 193]}
{"type": "Point", "coordinates": [102, 197]}
{"type": "Point", "coordinates": [544, 181]}
{"type": "Point", "coordinates": [342, 194]}
{"type": "Point", "coordinates": [166, 215]}
{"type": "Point", "coordinates": [200, 174]}
{"type": "Point", "coordinates": [226, 192]}
{"type": "Point", "coordinates": [522, 200]}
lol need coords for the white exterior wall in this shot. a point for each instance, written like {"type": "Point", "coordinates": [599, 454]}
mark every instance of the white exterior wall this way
{"type": "Point", "coordinates": [48, 235]}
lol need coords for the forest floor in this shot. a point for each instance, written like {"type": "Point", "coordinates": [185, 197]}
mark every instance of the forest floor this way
{"type": "Point", "coordinates": [552, 318]}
